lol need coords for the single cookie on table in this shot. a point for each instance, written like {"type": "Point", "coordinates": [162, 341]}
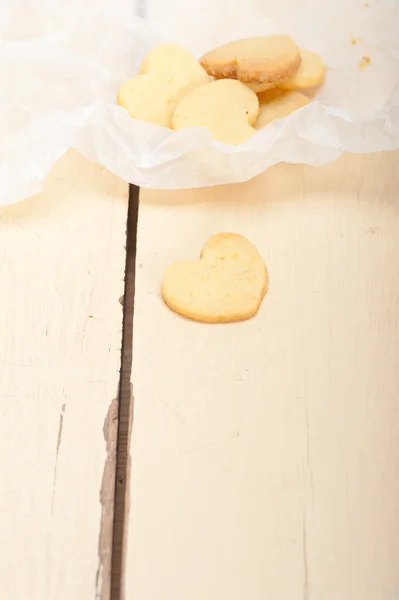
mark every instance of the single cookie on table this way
{"type": "Point", "coordinates": [227, 107]}
{"type": "Point", "coordinates": [226, 284]}
{"type": "Point", "coordinates": [281, 105]}
{"type": "Point", "coordinates": [266, 60]}
{"type": "Point", "coordinates": [310, 73]}
{"type": "Point", "coordinates": [166, 75]}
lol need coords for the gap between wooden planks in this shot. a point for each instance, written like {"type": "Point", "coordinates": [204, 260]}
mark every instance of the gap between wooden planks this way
{"type": "Point", "coordinates": [122, 479]}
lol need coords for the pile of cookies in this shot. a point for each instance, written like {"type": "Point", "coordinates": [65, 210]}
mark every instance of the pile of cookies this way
{"type": "Point", "coordinates": [233, 90]}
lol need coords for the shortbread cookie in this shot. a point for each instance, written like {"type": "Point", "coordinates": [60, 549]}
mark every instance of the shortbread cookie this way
{"type": "Point", "coordinates": [268, 60]}
{"type": "Point", "coordinates": [227, 107]}
{"type": "Point", "coordinates": [166, 75]}
{"type": "Point", "coordinates": [226, 284]}
{"type": "Point", "coordinates": [310, 73]}
{"type": "Point", "coordinates": [261, 87]}
{"type": "Point", "coordinates": [269, 95]}
{"type": "Point", "coordinates": [280, 106]}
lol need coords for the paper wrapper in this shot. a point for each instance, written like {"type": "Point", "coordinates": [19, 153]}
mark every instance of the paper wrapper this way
{"type": "Point", "coordinates": [62, 63]}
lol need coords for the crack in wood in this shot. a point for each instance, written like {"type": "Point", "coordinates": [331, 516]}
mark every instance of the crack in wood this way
{"type": "Point", "coordinates": [305, 559]}
{"type": "Point", "coordinates": [117, 433]}
{"type": "Point", "coordinates": [57, 451]}
{"type": "Point", "coordinates": [103, 575]}
{"type": "Point", "coordinates": [126, 406]}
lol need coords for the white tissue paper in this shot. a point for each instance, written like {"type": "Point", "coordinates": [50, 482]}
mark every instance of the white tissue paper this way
{"type": "Point", "coordinates": [62, 62]}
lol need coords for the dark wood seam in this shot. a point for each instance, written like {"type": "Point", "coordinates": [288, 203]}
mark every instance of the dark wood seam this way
{"type": "Point", "coordinates": [125, 412]}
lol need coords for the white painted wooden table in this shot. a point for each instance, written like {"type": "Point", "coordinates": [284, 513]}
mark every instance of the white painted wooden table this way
{"type": "Point", "coordinates": [62, 261]}
{"type": "Point", "coordinates": [265, 453]}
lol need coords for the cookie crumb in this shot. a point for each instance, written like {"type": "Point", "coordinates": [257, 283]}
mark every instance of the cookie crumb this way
{"type": "Point", "coordinates": [356, 40]}
{"type": "Point", "coordinates": [366, 5]}
{"type": "Point", "coordinates": [364, 62]}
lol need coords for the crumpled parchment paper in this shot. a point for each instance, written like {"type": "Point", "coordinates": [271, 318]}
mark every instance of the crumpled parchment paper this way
{"type": "Point", "coordinates": [61, 63]}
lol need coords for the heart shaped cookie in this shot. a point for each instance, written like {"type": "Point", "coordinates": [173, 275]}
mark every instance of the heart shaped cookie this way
{"type": "Point", "coordinates": [226, 284]}
{"type": "Point", "coordinates": [259, 60]}
{"type": "Point", "coordinates": [227, 107]}
{"type": "Point", "coordinates": [166, 75]}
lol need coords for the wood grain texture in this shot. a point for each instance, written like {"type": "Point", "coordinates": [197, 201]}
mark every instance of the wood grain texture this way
{"type": "Point", "coordinates": [265, 453]}
{"type": "Point", "coordinates": [62, 260]}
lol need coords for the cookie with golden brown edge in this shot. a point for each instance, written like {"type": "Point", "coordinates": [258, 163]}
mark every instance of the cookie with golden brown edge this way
{"type": "Point", "coordinates": [266, 60]}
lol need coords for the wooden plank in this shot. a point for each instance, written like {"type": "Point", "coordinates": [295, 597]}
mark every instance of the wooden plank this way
{"type": "Point", "coordinates": [264, 453]}
{"type": "Point", "coordinates": [62, 261]}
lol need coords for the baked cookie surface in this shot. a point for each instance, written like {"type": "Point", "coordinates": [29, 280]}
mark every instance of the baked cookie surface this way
{"type": "Point", "coordinates": [281, 105]}
{"type": "Point", "coordinates": [167, 73]}
{"type": "Point", "coordinates": [226, 284]}
{"type": "Point", "coordinates": [310, 72]}
{"type": "Point", "coordinates": [227, 107]}
{"type": "Point", "coordinates": [258, 60]}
